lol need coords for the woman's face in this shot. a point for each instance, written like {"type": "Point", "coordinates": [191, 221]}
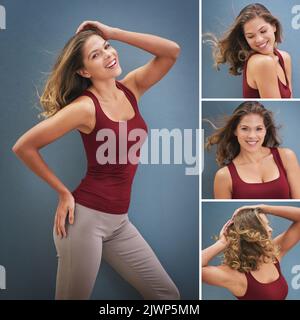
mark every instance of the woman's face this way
{"type": "Point", "coordinates": [100, 59]}
{"type": "Point", "coordinates": [260, 35]}
{"type": "Point", "coordinates": [266, 224]}
{"type": "Point", "coordinates": [251, 132]}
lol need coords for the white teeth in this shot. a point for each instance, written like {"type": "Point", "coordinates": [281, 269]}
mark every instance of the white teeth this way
{"type": "Point", "coordinates": [111, 64]}
{"type": "Point", "coordinates": [252, 143]}
{"type": "Point", "coordinates": [262, 45]}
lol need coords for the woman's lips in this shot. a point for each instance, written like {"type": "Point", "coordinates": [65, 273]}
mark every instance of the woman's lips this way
{"type": "Point", "coordinates": [112, 64]}
{"type": "Point", "coordinates": [252, 143]}
{"type": "Point", "coordinates": [263, 45]}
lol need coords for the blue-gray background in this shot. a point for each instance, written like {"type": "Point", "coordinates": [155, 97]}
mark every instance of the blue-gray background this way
{"type": "Point", "coordinates": [217, 16]}
{"type": "Point", "coordinates": [164, 200]}
{"type": "Point", "coordinates": [286, 115]}
{"type": "Point", "coordinates": [214, 216]}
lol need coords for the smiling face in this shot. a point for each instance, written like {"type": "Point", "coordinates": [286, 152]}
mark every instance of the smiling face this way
{"type": "Point", "coordinates": [251, 132]}
{"type": "Point", "coordinates": [100, 59]}
{"type": "Point", "coordinates": [260, 35]}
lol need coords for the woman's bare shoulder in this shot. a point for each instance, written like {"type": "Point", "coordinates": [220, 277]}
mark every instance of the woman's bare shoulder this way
{"type": "Point", "coordinates": [257, 61]}
{"type": "Point", "coordinates": [83, 100]}
{"type": "Point", "coordinates": [223, 178]}
{"type": "Point", "coordinates": [287, 155]}
{"type": "Point", "coordinates": [223, 173]}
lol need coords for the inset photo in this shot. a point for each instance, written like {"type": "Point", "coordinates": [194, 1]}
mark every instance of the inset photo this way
{"type": "Point", "coordinates": [251, 150]}
{"type": "Point", "coordinates": [250, 251]}
{"type": "Point", "coordinates": [249, 49]}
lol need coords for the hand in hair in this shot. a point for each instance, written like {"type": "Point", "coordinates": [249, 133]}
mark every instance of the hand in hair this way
{"type": "Point", "coordinates": [223, 233]}
{"type": "Point", "coordinates": [230, 221]}
{"type": "Point", "coordinates": [247, 207]}
{"type": "Point", "coordinates": [106, 31]}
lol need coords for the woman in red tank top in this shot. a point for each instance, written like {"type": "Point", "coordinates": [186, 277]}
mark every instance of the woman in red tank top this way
{"type": "Point", "coordinates": [250, 48]}
{"type": "Point", "coordinates": [82, 93]}
{"type": "Point", "coordinates": [251, 265]}
{"type": "Point", "coordinates": [252, 165]}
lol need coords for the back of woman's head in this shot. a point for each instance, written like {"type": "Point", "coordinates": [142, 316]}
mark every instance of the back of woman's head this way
{"type": "Point", "coordinates": [249, 244]}
{"type": "Point", "coordinates": [227, 143]}
{"type": "Point", "coordinates": [232, 47]}
{"type": "Point", "coordinates": [64, 84]}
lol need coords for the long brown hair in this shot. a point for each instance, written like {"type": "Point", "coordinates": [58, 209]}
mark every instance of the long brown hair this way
{"type": "Point", "coordinates": [228, 146]}
{"type": "Point", "coordinates": [64, 83]}
{"type": "Point", "coordinates": [232, 47]}
{"type": "Point", "coordinates": [249, 244]}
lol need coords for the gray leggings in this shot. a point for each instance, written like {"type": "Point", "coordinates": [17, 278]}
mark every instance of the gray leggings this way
{"type": "Point", "coordinates": [95, 233]}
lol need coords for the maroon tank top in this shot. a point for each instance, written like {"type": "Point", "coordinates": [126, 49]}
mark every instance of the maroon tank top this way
{"type": "Point", "coordinates": [249, 92]}
{"type": "Point", "coordinates": [112, 152]}
{"type": "Point", "coordinates": [275, 189]}
{"type": "Point", "coordinates": [276, 290]}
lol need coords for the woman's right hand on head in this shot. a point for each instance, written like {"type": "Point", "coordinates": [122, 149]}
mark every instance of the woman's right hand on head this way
{"type": "Point", "coordinates": [106, 31]}
{"type": "Point", "coordinates": [65, 206]}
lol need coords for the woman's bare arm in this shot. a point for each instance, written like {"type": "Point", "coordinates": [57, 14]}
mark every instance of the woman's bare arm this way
{"type": "Point", "coordinates": [223, 184]}
{"type": "Point", "coordinates": [27, 146]}
{"type": "Point", "coordinates": [292, 168]}
{"type": "Point", "coordinates": [291, 236]}
{"type": "Point", "coordinates": [74, 116]}
{"type": "Point", "coordinates": [263, 71]}
{"type": "Point", "coordinates": [165, 51]}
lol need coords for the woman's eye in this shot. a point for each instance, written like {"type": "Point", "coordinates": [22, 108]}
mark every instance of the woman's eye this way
{"type": "Point", "coordinates": [95, 55]}
{"type": "Point", "coordinates": [263, 31]}
{"type": "Point", "coordinates": [107, 46]}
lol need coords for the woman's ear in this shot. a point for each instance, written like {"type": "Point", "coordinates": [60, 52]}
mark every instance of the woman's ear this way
{"type": "Point", "coordinates": [274, 27]}
{"type": "Point", "coordinates": [83, 73]}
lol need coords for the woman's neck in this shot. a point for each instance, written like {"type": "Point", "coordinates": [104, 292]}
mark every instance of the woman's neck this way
{"type": "Point", "coordinates": [252, 157]}
{"type": "Point", "coordinates": [105, 90]}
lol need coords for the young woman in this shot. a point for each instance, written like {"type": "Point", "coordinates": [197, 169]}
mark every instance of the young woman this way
{"type": "Point", "coordinates": [82, 93]}
{"type": "Point", "coordinates": [250, 47]}
{"type": "Point", "coordinates": [253, 167]}
{"type": "Point", "coordinates": [251, 266]}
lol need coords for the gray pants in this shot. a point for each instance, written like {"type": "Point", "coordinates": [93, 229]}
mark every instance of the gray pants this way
{"type": "Point", "coordinates": [95, 233]}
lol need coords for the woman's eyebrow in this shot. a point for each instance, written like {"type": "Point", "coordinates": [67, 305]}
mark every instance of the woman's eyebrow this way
{"type": "Point", "coordinates": [245, 125]}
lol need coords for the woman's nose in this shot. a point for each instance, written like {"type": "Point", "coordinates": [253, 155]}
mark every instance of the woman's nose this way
{"type": "Point", "coordinates": [258, 39]}
{"type": "Point", "coordinates": [107, 54]}
{"type": "Point", "coordinates": [251, 133]}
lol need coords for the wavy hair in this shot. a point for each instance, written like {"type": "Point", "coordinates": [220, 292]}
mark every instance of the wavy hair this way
{"type": "Point", "coordinates": [232, 47]}
{"type": "Point", "coordinates": [64, 84]}
{"type": "Point", "coordinates": [249, 243]}
{"type": "Point", "coordinates": [227, 143]}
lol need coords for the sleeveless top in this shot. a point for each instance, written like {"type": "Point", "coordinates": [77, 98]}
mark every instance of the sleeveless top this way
{"type": "Point", "coordinates": [276, 290]}
{"type": "Point", "coordinates": [284, 89]}
{"type": "Point", "coordinates": [112, 152]}
{"type": "Point", "coordinates": [275, 189]}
